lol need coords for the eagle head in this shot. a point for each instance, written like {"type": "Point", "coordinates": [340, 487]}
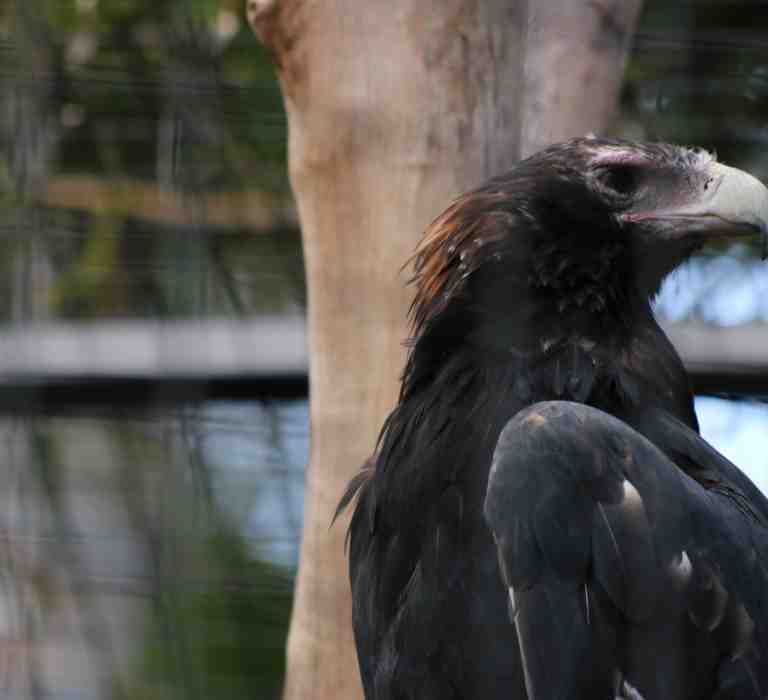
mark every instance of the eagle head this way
{"type": "Point", "coordinates": [582, 230]}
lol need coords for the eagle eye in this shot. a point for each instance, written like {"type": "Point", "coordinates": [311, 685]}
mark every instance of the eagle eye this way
{"type": "Point", "coordinates": [622, 179]}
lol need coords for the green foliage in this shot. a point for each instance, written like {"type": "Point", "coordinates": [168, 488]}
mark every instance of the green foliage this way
{"type": "Point", "coordinates": [222, 636]}
{"type": "Point", "coordinates": [128, 64]}
{"type": "Point", "coordinates": [699, 74]}
{"type": "Point", "coordinates": [80, 290]}
{"type": "Point", "coordinates": [177, 94]}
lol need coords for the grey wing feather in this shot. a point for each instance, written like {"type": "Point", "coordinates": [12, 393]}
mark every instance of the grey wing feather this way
{"type": "Point", "coordinates": [675, 575]}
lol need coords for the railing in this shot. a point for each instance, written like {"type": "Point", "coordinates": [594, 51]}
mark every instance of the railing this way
{"type": "Point", "coordinates": [57, 366]}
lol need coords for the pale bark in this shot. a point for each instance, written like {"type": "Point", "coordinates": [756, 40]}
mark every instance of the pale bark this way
{"type": "Point", "coordinates": [393, 109]}
{"type": "Point", "coordinates": [574, 64]}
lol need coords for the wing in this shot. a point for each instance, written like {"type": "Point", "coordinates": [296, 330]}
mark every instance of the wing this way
{"type": "Point", "coordinates": [404, 575]}
{"type": "Point", "coordinates": [401, 612]}
{"type": "Point", "coordinates": [697, 458]}
{"type": "Point", "coordinates": [625, 574]}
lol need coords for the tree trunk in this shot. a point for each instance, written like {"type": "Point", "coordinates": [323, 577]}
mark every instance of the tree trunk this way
{"type": "Point", "coordinates": [393, 109]}
{"type": "Point", "coordinates": [574, 65]}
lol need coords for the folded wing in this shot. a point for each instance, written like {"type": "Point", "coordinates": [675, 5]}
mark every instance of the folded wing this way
{"type": "Point", "coordinates": [625, 573]}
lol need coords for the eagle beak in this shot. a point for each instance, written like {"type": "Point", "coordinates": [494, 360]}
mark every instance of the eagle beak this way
{"type": "Point", "coordinates": [737, 199]}
{"type": "Point", "coordinates": [728, 202]}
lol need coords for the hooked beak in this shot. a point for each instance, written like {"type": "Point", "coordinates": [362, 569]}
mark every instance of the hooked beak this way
{"type": "Point", "coordinates": [728, 202]}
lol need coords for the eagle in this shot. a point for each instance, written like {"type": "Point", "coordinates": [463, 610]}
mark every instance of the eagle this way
{"type": "Point", "coordinates": [541, 517]}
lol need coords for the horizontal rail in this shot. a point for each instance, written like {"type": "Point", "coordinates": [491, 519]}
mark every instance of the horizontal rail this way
{"type": "Point", "coordinates": [49, 367]}
{"type": "Point", "coordinates": [724, 360]}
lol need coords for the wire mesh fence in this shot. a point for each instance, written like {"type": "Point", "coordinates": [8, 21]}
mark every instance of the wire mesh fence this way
{"type": "Point", "coordinates": [148, 537]}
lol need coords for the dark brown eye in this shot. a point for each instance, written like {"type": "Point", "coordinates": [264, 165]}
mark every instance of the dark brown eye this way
{"type": "Point", "coordinates": [622, 179]}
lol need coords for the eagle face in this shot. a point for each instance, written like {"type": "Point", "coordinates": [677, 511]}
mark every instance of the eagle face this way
{"type": "Point", "coordinates": [590, 214]}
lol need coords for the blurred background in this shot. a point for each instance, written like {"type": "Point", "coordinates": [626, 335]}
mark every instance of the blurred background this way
{"type": "Point", "coordinates": [152, 454]}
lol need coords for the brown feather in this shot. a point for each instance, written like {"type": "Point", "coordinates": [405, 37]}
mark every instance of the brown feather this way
{"type": "Point", "coordinates": [454, 245]}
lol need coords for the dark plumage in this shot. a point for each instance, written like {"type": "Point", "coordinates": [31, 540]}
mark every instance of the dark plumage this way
{"type": "Point", "coordinates": [632, 554]}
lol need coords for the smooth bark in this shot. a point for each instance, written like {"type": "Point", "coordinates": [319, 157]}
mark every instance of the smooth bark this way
{"type": "Point", "coordinates": [574, 64]}
{"type": "Point", "coordinates": [393, 109]}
